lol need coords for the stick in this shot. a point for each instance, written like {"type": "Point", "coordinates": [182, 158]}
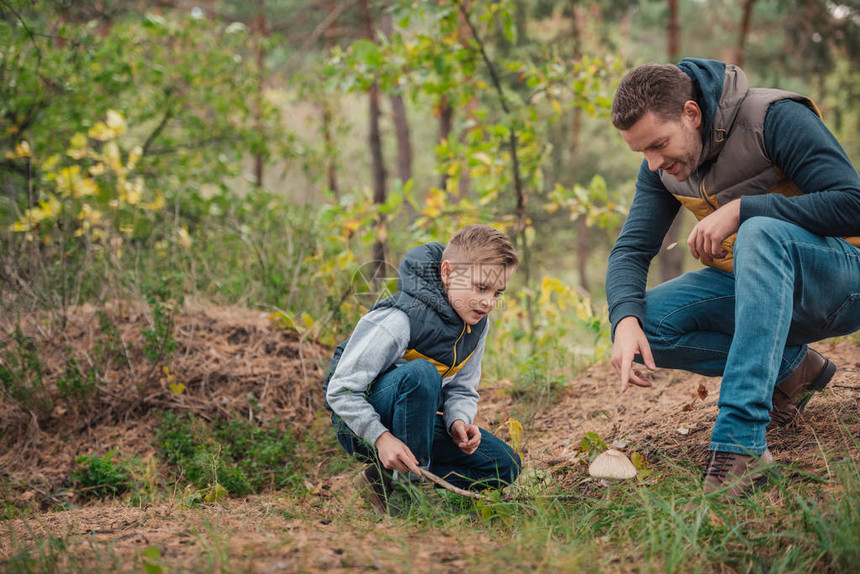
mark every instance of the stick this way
{"type": "Point", "coordinates": [448, 486]}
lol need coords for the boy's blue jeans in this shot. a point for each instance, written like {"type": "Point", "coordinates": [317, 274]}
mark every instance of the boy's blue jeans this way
{"type": "Point", "coordinates": [789, 288]}
{"type": "Point", "coordinates": [407, 399]}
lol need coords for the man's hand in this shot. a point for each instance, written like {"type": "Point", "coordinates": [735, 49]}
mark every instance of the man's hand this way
{"type": "Point", "coordinates": [467, 437]}
{"type": "Point", "coordinates": [705, 241]}
{"type": "Point", "coordinates": [395, 455]}
{"type": "Point", "coordinates": [629, 340]}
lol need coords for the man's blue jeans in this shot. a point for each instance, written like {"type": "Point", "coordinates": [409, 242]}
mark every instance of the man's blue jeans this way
{"type": "Point", "coordinates": [789, 288]}
{"type": "Point", "coordinates": [407, 399]}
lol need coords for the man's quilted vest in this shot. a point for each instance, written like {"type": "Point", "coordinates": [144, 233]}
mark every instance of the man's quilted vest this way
{"type": "Point", "coordinates": [734, 158]}
{"type": "Point", "coordinates": [436, 332]}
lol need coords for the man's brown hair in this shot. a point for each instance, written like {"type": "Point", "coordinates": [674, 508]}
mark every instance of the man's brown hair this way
{"type": "Point", "coordinates": [659, 88]}
{"type": "Point", "coordinates": [481, 243]}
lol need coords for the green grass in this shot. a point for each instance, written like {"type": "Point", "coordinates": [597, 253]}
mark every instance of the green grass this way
{"type": "Point", "coordinates": [798, 523]}
{"type": "Point", "coordinates": [228, 456]}
{"type": "Point", "coordinates": [644, 526]}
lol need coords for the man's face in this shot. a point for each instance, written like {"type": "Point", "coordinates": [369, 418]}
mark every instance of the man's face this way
{"type": "Point", "coordinates": [474, 289]}
{"type": "Point", "coordinates": [674, 146]}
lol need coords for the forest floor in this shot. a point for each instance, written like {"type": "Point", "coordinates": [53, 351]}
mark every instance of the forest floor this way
{"type": "Point", "coordinates": [234, 362]}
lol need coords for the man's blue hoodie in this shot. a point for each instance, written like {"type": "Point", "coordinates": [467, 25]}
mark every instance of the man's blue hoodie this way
{"type": "Point", "coordinates": [797, 142]}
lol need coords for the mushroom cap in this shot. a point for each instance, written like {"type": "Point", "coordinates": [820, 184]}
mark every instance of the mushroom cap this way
{"type": "Point", "coordinates": [612, 464]}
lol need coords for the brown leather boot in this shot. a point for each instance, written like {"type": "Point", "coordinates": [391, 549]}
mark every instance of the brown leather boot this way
{"type": "Point", "coordinates": [792, 394]}
{"type": "Point", "coordinates": [741, 473]}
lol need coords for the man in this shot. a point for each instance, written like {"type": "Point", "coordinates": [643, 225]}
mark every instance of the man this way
{"type": "Point", "coordinates": [778, 209]}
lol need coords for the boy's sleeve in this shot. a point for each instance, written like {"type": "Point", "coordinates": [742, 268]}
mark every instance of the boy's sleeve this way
{"type": "Point", "coordinates": [460, 394]}
{"type": "Point", "coordinates": [379, 339]}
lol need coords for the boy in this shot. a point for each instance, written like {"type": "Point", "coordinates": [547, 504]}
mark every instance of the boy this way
{"type": "Point", "coordinates": [403, 387]}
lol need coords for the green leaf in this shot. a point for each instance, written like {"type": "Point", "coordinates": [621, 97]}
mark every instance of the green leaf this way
{"type": "Point", "coordinates": [367, 53]}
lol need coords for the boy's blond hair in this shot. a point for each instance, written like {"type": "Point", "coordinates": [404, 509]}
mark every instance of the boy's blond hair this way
{"type": "Point", "coordinates": [481, 243]}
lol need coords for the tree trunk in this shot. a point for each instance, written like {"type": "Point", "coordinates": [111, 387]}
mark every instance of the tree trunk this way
{"type": "Point", "coordinates": [401, 122]}
{"type": "Point", "coordinates": [378, 162]}
{"type": "Point", "coordinates": [746, 18]}
{"type": "Point", "coordinates": [583, 248]}
{"type": "Point", "coordinates": [464, 35]}
{"type": "Point", "coordinates": [446, 120]}
{"type": "Point", "coordinates": [672, 260]}
{"type": "Point", "coordinates": [404, 146]}
{"type": "Point", "coordinates": [328, 120]}
{"type": "Point", "coordinates": [673, 31]}
{"type": "Point", "coordinates": [260, 31]}
{"type": "Point", "coordinates": [331, 167]}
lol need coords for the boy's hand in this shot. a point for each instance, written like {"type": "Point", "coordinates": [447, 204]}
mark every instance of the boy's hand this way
{"type": "Point", "coordinates": [467, 437]}
{"type": "Point", "coordinates": [395, 455]}
{"type": "Point", "coordinates": [630, 340]}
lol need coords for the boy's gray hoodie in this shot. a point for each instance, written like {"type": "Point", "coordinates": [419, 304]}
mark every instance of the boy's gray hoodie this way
{"type": "Point", "coordinates": [383, 336]}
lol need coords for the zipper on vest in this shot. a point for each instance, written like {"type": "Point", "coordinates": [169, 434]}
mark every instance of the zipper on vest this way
{"type": "Point", "coordinates": [704, 195]}
{"type": "Point", "coordinates": [454, 363]}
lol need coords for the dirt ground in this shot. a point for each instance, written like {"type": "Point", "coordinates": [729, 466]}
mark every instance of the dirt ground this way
{"type": "Point", "coordinates": [229, 358]}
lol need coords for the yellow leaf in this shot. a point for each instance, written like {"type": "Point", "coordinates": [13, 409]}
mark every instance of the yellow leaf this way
{"type": "Point", "coordinates": [133, 157]}
{"type": "Point", "coordinates": [515, 430]}
{"type": "Point", "coordinates": [215, 493]}
{"type": "Point", "coordinates": [115, 121]}
{"type": "Point", "coordinates": [435, 201]}
{"type": "Point", "coordinates": [639, 461]}
{"type": "Point", "coordinates": [482, 157]}
{"type": "Point", "coordinates": [112, 157]}
{"type": "Point", "coordinates": [283, 319]}
{"type": "Point", "coordinates": [22, 150]}
{"type": "Point", "coordinates": [350, 226]}
{"type": "Point", "coordinates": [132, 191]}
{"type": "Point", "coordinates": [51, 163]}
{"type": "Point", "coordinates": [85, 187]}
{"type": "Point", "coordinates": [101, 132]}
{"type": "Point", "coordinates": [344, 258]}
{"type": "Point", "coordinates": [177, 388]}
{"type": "Point", "coordinates": [307, 320]}
{"type": "Point", "coordinates": [550, 285]}
{"type": "Point", "coordinates": [157, 204]}
{"type": "Point", "coordinates": [78, 147]}
{"type": "Point", "coordinates": [97, 169]}
{"type": "Point", "coordinates": [184, 237]}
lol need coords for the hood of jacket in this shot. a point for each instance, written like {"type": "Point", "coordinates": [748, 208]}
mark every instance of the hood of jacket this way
{"type": "Point", "coordinates": [419, 276]}
{"type": "Point", "coordinates": [720, 89]}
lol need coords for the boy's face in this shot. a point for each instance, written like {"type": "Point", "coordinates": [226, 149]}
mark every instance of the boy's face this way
{"type": "Point", "coordinates": [474, 289]}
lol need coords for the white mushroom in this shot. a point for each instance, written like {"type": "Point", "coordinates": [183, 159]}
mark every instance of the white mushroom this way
{"type": "Point", "coordinates": [612, 464]}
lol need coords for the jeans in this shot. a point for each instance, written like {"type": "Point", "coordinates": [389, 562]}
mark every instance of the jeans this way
{"type": "Point", "coordinates": [407, 399]}
{"type": "Point", "coordinates": [789, 288]}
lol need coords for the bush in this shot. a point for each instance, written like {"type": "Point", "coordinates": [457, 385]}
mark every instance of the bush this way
{"type": "Point", "coordinates": [230, 454]}
{"type": "Point", "coordinates": [100, 477]}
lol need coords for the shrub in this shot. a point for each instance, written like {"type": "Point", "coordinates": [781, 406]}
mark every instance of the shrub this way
{"type": "Point", "coordinates": [100, 477]}
{"type": "Point", "coordinates": [233, 454]}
